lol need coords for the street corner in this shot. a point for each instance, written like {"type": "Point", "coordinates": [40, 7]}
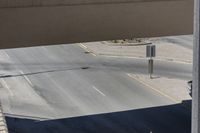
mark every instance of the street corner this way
{"type": "Point", "coordinates": [172, 88]}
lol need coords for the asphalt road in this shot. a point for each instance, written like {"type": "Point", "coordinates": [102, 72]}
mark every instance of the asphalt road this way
{"type": "Point", "coordinates": [62, 89]}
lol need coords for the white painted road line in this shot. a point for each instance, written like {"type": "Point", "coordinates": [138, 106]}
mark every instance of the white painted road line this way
{"type": "Point", "coordinates": [98, 91]}
{"type": "Point", "coordinates": [7, 87]}
{"type": "Point", "coordinates": [86, 49]}
{"type": "Point", "coordinates": [26, 78]}
{"type": "Point", "coordinates": [93, 54]}
{"type": "Point", "coordinates": [83, 46]}
{"type": "Point", "coordinates": [5, 53]}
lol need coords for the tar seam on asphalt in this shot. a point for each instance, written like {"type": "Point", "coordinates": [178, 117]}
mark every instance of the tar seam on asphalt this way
{"type": "Point", "coordinates": [40, 72]}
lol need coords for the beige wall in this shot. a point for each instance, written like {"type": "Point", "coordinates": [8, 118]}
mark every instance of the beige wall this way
{"type": "Point", "coordinates": [41, 3]}
{"type": "Point", "coordinates": [36, 22]}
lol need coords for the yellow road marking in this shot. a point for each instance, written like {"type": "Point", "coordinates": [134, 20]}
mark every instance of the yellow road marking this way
{"type": "Point", "coordinates": [153, 88]}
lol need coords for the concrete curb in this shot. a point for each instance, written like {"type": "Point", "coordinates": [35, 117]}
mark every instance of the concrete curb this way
{"type": "Point", "coordinates": [139, 57]}
{"type": "Point", "coordinates": [89, 50]}
{"type": "Point", "coordinates": [128, 44]}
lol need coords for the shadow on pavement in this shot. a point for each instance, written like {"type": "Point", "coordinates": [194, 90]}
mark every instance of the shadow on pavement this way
{"type": "Point", "coordinates": [165, 119]}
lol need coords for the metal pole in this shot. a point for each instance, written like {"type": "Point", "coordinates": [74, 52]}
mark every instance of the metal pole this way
{"type": "Point", "coordinates": [150, 67]}
{"type": "Point", "coordinates": [196, 71]}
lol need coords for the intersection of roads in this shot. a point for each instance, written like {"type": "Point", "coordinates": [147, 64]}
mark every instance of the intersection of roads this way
{"type": "Point", "coordinates": [63, 89]}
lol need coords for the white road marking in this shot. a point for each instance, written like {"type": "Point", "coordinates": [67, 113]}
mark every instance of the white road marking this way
{"type": "Point", "coordinates": [93, 54]}
{"type": "Point", "coordinates": [7, 87]}
{"type": "Point", "coordinates": [98, 91]}
{"type": "Point", "coordinates": [27, 79]}
{"type": "Point", "coordinates": [86, 49]}
{"type": "Point", "coordinates": [5, 53]}
{"type": "Point", "coordinates": [83, 46]}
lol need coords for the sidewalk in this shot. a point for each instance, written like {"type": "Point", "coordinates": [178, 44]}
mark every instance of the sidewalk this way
{"type": "Point", "coordinates": [3, 126]}
{"type": "Point", "coordinates": [164, 51]}
{"type": "Point", "coordinates": [173, 89]}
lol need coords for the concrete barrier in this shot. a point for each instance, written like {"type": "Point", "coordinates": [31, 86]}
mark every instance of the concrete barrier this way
{"type": "Point", "coordinates": [45, 22]}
